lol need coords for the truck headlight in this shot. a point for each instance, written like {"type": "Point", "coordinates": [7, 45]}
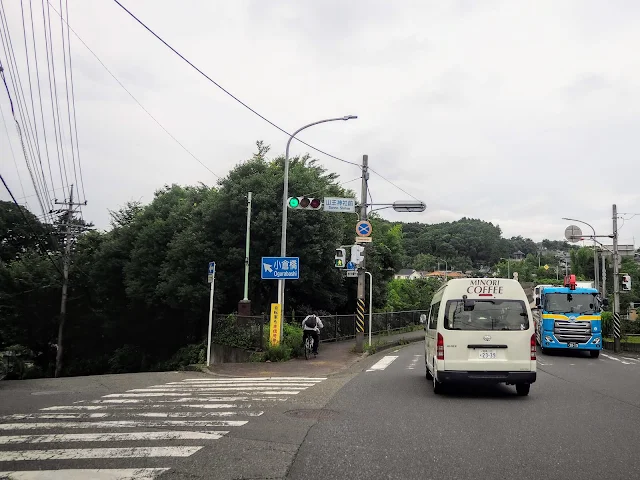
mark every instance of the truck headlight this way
{"type": "Point", "coordinates": [596, 341]}
{"type": "Point", "coordinates": [548, 339]}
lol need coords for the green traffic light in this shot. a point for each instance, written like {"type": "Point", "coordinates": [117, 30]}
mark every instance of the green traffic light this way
{"type": "Point", "coordinates": [294, 202]}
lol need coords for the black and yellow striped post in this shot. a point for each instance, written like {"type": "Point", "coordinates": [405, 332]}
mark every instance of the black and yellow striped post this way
{"type": "Point", "coordinates": [360, 316]}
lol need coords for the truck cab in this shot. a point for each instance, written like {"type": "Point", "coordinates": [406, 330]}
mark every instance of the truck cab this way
{"type": "Point", "coordinates": [569, 317]}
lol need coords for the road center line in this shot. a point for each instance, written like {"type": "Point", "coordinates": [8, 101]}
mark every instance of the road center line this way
{"type": "Point", "coordinates": [384, 363]}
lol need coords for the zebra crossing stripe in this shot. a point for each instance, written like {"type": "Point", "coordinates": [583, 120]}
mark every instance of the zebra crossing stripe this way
{"type": "Point", "coordinates": [94, 453]}
{"type": "Point", "coordinates": [109, 437]}
{"type": "Point", "coordinates": [123, 424]}
{"type": "Point", "coordinates": [241, 379]}
{"type": "Point", "coordinates": [81, 416]}
{"type": "Point", "coordinates": [84, 474]}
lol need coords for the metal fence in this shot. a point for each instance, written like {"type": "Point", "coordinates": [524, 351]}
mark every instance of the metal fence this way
{"type": "Point", "coordinates": [254, 330]}
{"type": "Point", "coordinates": [343, 327]}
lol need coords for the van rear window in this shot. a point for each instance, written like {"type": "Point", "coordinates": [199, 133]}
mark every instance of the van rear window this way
{"type": "Point", "coordinates": [487, 314]}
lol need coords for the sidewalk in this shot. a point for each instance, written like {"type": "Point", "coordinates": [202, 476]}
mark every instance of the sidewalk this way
{"type": "Point", "coordinates": [333, 357]}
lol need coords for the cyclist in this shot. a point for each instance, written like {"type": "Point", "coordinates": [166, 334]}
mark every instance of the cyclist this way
{"type": "Point", "coordinates": [311, 326]}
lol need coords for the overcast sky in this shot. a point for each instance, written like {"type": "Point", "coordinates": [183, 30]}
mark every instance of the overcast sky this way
{"type": "Point", "coordinates": [518, 113]}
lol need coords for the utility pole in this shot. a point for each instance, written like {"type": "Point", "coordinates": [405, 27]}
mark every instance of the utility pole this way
{"type": "Point", "coordinates": [604, 275]}
{"type": "Point", "coordinates": [361, 267]}
{"type": "Point", "coordinates": [66, 260]}
{"type": "Point", "coordinates": [616, 284]}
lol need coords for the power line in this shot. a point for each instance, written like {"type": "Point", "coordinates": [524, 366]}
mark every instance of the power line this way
{"type": "Point", "coordinates": [4, 122]}
{"type": "Point", "coordinates": [33, 108]}
{"type": "Point", "coordinates": [73, 100]}
{"type": "Point", "coordinates": [66, 89]}
{"type": "Point", "coordinates": [35, 54]}
{"type": "Point", "coordinates": [29, 127]}
{"type": "Point", "coordinates": [226, 91]}
{"type": "Point", "coordinates": [391, 183]}
{"type": "Point", "coordinates": [136, 100]}
{"type": "Point", "coordinates": [24, 150]}
{"type": "Point", "coordinates": [14, 76]}
{"type": "Point", "coordinates": [47, 40]}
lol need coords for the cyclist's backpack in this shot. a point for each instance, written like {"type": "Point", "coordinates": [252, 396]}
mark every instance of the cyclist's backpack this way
{"type": "Point", "coordinates": [311, 322]}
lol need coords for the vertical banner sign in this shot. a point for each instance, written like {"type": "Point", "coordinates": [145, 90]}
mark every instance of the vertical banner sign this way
{"type": "Point", "coordinates": [274, 327]}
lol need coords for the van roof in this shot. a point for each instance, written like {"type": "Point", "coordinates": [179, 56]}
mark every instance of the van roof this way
{"type": "Point", "coordinates": [483, 287]}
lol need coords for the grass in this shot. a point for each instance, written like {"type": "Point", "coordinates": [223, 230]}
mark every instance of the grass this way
{"type": "Point", "coordinates": [626, 339]}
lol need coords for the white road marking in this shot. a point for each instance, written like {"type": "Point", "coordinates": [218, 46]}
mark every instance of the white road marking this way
{"type": "Point", "coordinates": [258, 390]}
{"type": "Point", "coordinates": [193, 414]}
{"type": "Point", "coordinates": [123, 424]}
{"type": "Point", "coordinates": [239, 379]}
{"type": "Point", "coordinates": [384, 363]}
{"type": "Point", "coordinates": [165, 406]}
{"type": "Point", "coordinates": [632, 359]}
{"type": "Point", "coordinates": [84, 474]}
{"type": "Point", "coordinates": [89, 453]}
{"type": "Point", "coordinates": [52, 416]}
{"type": "Point", "coordinates": [110, 437]}
{"type": "Point", "coordinates": [412, 365]}
{"type": "Point", "coordinates": [616, 359]}
{"type": "Point", "coordinates": [274, 383]}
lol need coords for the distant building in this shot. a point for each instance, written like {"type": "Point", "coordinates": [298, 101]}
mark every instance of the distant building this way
{"type": "Point", "coordinates": [623, 250]}
{"type": "Point", "coordinates": [407, 274]}
{"type": "Point", "coordinates": [518, 256]}
{"type": "Point", "coordinates": [449, 274]}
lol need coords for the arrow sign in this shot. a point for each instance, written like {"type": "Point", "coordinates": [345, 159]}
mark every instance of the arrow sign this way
{"type": "Point", "coordinates": [280, 268]}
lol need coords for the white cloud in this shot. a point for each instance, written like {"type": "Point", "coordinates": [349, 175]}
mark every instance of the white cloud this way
{"type": "Point", "coordinates": [516, 113]}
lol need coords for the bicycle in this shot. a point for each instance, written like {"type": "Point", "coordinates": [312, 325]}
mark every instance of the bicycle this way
{"type": "Point", "coordinates": [308, 347]}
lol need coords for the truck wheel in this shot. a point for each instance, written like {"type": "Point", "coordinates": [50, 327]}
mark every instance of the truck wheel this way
{"type": "Point", "coordinates": [595, 353]}
{"type": "Point", "coordinates": [522, 389]}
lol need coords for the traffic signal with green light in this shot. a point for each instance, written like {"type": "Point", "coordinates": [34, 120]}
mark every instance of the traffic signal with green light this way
{"type": "Point", "coordinates": [304, 203]}
{"type": "Point", "coordinates": [340, 258]}
{"type": "Point", "coordinates": [626, 282]}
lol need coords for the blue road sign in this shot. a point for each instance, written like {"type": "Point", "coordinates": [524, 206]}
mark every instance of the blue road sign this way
{"type": "Point", "coordinates": [276, 268]}
{"type": "Point", "coordinates": [212, 268]}
{"type": "Point", "coordinates": [351, 266]}
{"type": "Point", "coordinates": [363, 228]}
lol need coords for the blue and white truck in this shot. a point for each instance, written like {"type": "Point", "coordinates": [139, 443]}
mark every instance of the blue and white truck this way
{"type": "Point", "coordinates": [569, 317]}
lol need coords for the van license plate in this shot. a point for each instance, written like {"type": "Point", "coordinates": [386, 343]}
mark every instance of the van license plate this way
{"type": "Point", "coordinates": [572, 345]}
{"type": "Point", "coordinates": [487, 354]}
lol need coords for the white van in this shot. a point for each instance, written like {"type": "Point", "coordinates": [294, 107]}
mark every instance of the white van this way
{"type": "Point", "coordinates": [481, 330]}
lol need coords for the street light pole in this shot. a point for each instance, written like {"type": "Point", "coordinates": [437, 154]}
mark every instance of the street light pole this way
{"type": "Point", "coordinates": [285, 196]}
{"type": "Point", "coordinates": [508, 266]}
{"type": "Point", "coordinates": [596, 276]}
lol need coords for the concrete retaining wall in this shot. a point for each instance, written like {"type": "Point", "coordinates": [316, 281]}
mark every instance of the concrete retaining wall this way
{"type": "Point", "coordinates": [626, 347]}
{"type": "Point", "coordinates": [226, 354]}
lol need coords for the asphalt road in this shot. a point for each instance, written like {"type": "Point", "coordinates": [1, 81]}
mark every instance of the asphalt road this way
{"type": "Point", "coordinates": [377, 419]}
{"type": "Point", "coordinates": [160, 425]}
{"type": "Point", "coordinates": [581, 421]}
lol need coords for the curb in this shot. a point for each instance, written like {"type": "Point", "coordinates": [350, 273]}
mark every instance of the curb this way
{"type": "Point", "coordinates": [396, 343]}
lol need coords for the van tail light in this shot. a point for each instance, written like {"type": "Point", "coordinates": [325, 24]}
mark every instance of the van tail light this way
{"type": "Point", "coordinates": [533, 346]}
{"type": "Point", "coordinates": [440, 347]}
